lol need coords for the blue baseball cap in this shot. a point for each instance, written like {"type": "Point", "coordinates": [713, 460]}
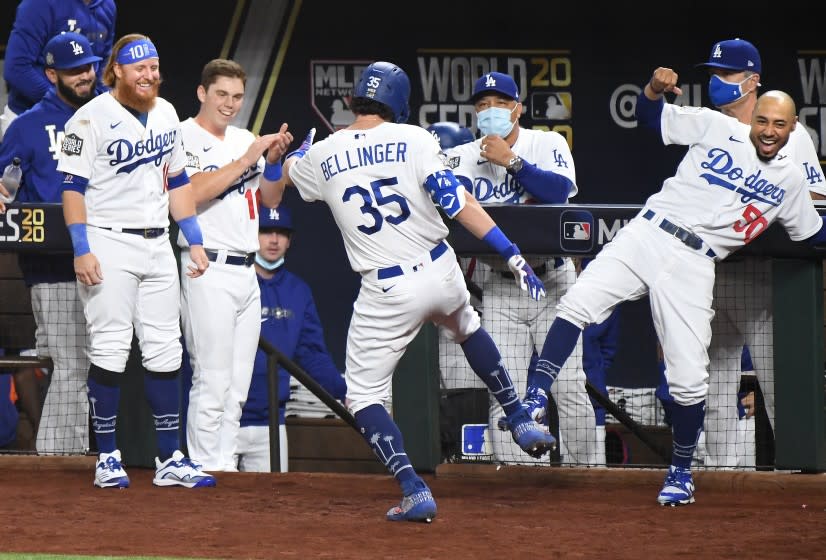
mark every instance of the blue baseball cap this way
{"type": "Point", "coordinates": [68, 50]}
{"type": "Point", "coordinates": [733, 54]}
{"type": "Point", "coordinates": [275, 218]}
{"type": "Point", "coordinates": [495, 82]}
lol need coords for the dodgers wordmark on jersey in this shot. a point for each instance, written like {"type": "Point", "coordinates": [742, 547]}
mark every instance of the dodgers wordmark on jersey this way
{"type": "Point", "coordinates": [737, 195]}
{"type": "Point", "coordinates": [492, 183]}
{"type": "Point", "coordinates": [383, 222]}
{"type": "Point", "coordinates": [120, 192]}
{"type": "Point", "coordinates": [229, 221]}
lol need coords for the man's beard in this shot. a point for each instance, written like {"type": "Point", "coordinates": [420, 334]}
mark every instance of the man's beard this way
{"type": "Point", "coordinates": [126, 95]}
{"type": "Point", "coordinates": [72, 98]}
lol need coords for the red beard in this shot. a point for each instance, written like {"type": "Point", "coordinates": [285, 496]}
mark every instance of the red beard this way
{"type": "Point", "coordinates": [127, 95]}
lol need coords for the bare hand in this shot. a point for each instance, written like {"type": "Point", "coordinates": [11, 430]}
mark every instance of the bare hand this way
{"type": "Point", "coordinates": [280, 145]}
{"type": "Point", "coordinates": [87, 270]}
{"type": "Point", "coordinates": [748, 404]}
{"type": "Point", "coordinates": [200, 262]}
{"type": "Point", "coordinates": [496, 150]}
{"type": "Point", "coordinates": [3, 190]}
{"type": "Point", "coordinates": [257, 148]}
{"type": "Point", "coordinates": [663, 80]}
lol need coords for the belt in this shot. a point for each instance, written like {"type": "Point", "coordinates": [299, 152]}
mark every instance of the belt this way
{"type": "Point", "coordinates": [396, 270]}
{"type": "Point", "coordinates": [689, 239]}
{"type": "Point", "coordinates": [539, 270]}
{"type": "Point", "coordinates": [146, 233]}
{"type": "Point", "coordinates": [245, 260]}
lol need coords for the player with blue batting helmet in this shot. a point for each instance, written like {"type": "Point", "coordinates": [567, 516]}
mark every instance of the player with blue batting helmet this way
{"type": "Point", "coordinates": [450, 134]}
{"type": "Point", "coordinates": [388, 84]}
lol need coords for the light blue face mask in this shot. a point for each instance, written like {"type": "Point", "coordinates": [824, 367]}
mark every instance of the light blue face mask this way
{"type": "Point", "coordinates": [722, 92]}
{"type": "Point", "coordinates": [267, 265]}
{"type": "Point", "coordinates": [496, 120]}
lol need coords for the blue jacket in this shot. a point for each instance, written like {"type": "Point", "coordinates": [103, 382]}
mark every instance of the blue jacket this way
{"type": "Point", "coordinates": [289, 321]}
{"type": "Point", "coordinates": [35, 137]}
{"type": "Point", "coordinates": [36, 22]}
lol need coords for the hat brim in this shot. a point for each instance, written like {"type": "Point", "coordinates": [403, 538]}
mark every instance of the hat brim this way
{"type": "Point", "coordinates": [475, 97]}
{"type": "Point", "coordinates": [723, 66]}
{"type": "Point", "coordinates": [78, 63]}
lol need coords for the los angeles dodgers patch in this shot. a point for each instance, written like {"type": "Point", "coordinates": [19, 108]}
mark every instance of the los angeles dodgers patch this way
{"type": "Point", "coordinates": [72, 145]}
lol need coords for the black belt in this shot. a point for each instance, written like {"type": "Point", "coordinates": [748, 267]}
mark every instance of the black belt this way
{"type": "Point", "coordinates": [393, 271]}
{"type": "Point", "coordinates": [146, 233]}
{"type": "Point", "coordinates": [689, 239]}
{"type": "Point", "coordinates": [539, 270]}
{"type": "Point", "coordinates": [246, 260]}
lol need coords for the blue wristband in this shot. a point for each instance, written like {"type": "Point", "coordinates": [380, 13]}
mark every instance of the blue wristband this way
{"type": "Point", "coordinates": [191, 230]}
{"type": "Point", "coordinates": [272, 171]}
{"type": "Point", "coordinates": [496, 239]}
{"type": "Point", "coordinates": [80, 242]}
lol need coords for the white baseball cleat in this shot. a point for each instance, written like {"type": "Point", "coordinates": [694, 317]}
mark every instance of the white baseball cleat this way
{"type": "Point", "coordinates": [179, 470]}
{"type": "Point", "coordinates": [109, 471]}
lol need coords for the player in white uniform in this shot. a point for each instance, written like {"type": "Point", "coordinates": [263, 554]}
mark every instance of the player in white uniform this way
{"type": "Point", "coordinates": [221, 311]}
{"type": "Point", "coordinates": [730, 186]}
{"type": "Point", "coordinates": [381, 179]}
{"type": "Point", "coordinates": [515, 165]}
{"type": "Point", "coordinates": [743, 288]}
{"type": "Point", "coordinates": [123, 160]}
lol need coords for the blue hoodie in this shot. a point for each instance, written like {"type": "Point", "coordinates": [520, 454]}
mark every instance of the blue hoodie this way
{"type": "Point", "coordinates": [36, 22]}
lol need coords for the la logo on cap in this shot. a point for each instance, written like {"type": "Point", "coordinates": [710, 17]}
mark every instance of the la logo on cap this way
{"type": "Point", "coordinates": [490, 81]}
{"type": "Point", "coordinates": [274, 214]}
{"type": "Point", "coordinates": [76, 48]}
{"type": "Point", "coordinates": [718, 52]}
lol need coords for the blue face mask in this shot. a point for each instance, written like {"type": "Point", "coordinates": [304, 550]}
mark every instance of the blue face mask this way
{"type": "Point", "coordinates": [267, 265]}
{"type": "Point", "coordinates": [722, 92]}
{"type": "Point", "coordinates": [495, 120]}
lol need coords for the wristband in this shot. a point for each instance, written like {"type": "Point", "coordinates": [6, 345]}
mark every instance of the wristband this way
{"type": "Point", "coordinates": [496, 239]}
{"type": "Point", "coordinates": [191, 230]}
{"type": "Point", "coordinates": [272, 171]}
{"type": "Point", "coordinates": [80, 242]}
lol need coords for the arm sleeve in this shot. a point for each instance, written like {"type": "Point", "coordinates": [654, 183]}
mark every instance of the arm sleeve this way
{"type": "Point", "coordinates": [23, 70]}
{"type": "Point", "coordinates": [311, 353]}
{"type": "Point", "coordinates": [649, 113]}
{"type": "Point", "coordinates": [544, 185]}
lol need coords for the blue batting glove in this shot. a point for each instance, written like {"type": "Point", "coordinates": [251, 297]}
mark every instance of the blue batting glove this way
{"type": "Point", "coordinates": [305, 145]}
{"type": "Point", "coordinates": [525, 277]}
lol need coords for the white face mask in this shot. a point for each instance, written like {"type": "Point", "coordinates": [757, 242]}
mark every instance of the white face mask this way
{"type": "Point", "coordinates": [496, 120]}
{"type": "Point", "coordinates": [267, 265]}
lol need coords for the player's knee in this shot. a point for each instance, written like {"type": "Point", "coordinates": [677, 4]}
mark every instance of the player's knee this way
{"type": "Point", "coordinates": [105, 377]}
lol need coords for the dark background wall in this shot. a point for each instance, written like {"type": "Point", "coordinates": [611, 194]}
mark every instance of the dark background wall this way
{"type": "Point", "coordinates": [595, 55]}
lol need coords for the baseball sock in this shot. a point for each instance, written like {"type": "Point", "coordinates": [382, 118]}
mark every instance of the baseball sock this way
{"type": "Point", "coordinates": [559, 344]}
{"type": "Point", "coordinates": [486, 362]}
{"type": "Point", "coordinates": [104, 399]}
{"type": "Point", "coordinates": [163, 393]}
{"type": "Point", "coordinates": [383, 435]}
{"type": "Point", "coordinates": [686, 425]}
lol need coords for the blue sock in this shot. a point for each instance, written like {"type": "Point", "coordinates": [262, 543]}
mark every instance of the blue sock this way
{"type": "Point", "coordinates": [104, 400]}
{"type": "Point", "coordinates": [560, 342]}
{"type": "Point", "coordinates": [686, 425]}
{"type": "Point", "coordinates": [486, 362]}
{"type": "Point", "coordinates": [383, 435]}
{"type": "Point", "coordinates": [164, 394]}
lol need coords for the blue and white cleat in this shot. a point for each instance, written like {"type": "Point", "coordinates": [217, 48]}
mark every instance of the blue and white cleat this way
{"type": "Point", "coordinates": [179, 470]}
{"type": "Point", "coordinates": [532, 438]}
{"type": "Point", "coordinates": [109, 471]}
{"type": "Point", "coordinates": [678, 489]}
{"type": "Point", "coordinates": [417, 505]}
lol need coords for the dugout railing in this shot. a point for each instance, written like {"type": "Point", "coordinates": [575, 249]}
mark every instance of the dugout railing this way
{"type": "Point", "coordinates": [800, 438]}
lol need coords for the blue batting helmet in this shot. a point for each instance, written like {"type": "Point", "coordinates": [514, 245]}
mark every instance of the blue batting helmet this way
{"type": "Point", "coordinates": [275, 218]}
{"type": "Point", "coordinates": [386, 83]}
{"type": "Point", "coordinates": [450, 134]}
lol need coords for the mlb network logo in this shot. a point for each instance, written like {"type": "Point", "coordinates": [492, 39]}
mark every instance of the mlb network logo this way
{"type": "Point", "coordinates": [576, 231]}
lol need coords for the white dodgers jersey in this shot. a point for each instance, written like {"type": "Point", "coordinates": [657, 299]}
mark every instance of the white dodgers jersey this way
{"type": "Point", "coordinates": [722, 191]}
{"type": "Point", "coordinates": [125, 162]}
{"type": "Point", "coordinates": [801, 149]}
{"type": "Point", "coordinates": [372, 180]}
{"type": "Point", "coordinates": [492, 183]}
{"type": "Point", "coordinates": [229, 221]}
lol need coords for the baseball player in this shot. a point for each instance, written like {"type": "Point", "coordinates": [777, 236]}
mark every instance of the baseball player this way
{"type": "Point", "coordinates": [730, 186]}
{"type": "Point", "coordinates": [35, 23]}
{"type": "Point", "coordinates": [35, 138]}
{"type": "Point", "coordinates": [381, 178]}
{"type": "Point", "coordinates": [514, 165]}
{"type": "Point", "coordinates": [744, 308]}
{"type": "Point", "coordinates": [221, 310]}
{"type": "Point", "coordinates": [289, 321]}
{"type": "Point", "coordinates": [123, 160]}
